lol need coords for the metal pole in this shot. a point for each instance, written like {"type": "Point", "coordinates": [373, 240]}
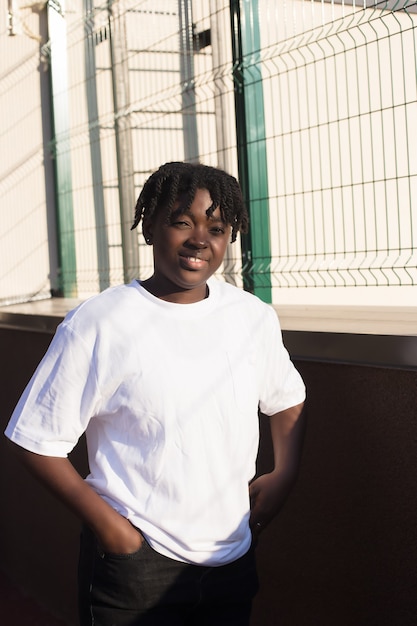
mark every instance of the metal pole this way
{"type": "Point", "coordinates": [189, 116]}
{"type": "Point", "coordinates": [51, 195]}
{"type": "Point", "coordinates": [224, 114]}
{"type": "Point", "coordinates": [95, 148]}
{"type": "Point", "coordinates": [251, 144]}
{"type": "Point", "coordinates": [124, 151]}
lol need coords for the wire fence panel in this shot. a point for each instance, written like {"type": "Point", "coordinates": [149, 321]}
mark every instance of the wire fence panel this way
{"type": "Point", "coordinates": [141, 92]}
{"type": "Point", "coordinates": [341, 110]}
{"type": "Point", "coordinates": [136, 83]}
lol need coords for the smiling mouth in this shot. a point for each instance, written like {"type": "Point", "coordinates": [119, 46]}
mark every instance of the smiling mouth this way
{"type": "Point", "coordinates": [193, 262]}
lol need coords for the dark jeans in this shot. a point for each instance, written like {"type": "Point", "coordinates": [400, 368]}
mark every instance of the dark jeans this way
{"type": "Point", "coordinates": [148, 589]}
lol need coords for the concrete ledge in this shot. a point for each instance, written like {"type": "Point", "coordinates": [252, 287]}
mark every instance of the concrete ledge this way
{"type": "Point", "coordinates": [377, 336]}
{"type": "Point", "coordinates": [370, 320]}
{"type": "Point", "coordinates": [39, 316]}
{"type": "Point", "coordinates": [393, 351]}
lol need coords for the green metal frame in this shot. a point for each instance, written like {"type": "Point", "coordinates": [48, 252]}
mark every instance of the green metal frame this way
{"type": "Point", "coordinates": [62, 155]}
{"type": "Point", "coordinates": [251, 146]}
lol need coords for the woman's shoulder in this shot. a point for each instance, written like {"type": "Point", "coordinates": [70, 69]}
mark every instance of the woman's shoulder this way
{"type": "Point", "coordinates": [112, 306]}
{"type": "Point", "coordinates": [236, 294]}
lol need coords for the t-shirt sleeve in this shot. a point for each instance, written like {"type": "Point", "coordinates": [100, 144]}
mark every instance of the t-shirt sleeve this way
{"type": "Point", "coordinates": [281, 384]}
{"type": "Point", "coordinates": [59, 400]}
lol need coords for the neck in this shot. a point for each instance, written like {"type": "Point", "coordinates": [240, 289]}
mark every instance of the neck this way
{"type": "Point", "coordinates": [176, 295]}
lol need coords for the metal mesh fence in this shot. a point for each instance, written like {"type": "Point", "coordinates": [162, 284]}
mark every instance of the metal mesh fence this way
{"type": "Point", "coordinates": [341, 114]}
{"type": "Point", "coordinates": [117, 89]}
{"type": "Point", "coordinates": [142, 91]}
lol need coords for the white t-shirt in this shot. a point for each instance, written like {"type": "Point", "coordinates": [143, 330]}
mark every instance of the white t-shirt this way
{"type": "Point", "coordinates": [168, 396]}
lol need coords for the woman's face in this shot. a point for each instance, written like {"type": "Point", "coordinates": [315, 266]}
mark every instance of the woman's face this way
{"type": "Point", "coordinates": [187, 249]}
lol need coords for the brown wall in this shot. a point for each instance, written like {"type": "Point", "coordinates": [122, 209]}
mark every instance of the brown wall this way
{"type": "Point", "coordinates": [343, 551]}
{"type": "Point", "coordinates": [39, 537]}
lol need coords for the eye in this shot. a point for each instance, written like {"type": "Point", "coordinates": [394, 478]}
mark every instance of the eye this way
{"type": "Point", "coordinates": [218, 229]}
{"type": "Point", "coordinates": [181, 224]}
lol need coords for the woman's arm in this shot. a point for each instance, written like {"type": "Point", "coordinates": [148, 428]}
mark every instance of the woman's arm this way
{"type": "Point", "coordinates": [269, 491]}
{"type": "Point", "coordinates": [114, 533]}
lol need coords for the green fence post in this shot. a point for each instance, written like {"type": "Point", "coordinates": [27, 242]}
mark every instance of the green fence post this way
{"type": "Point", "coordinates": [251, 145]}
{"type": "Point", "coordinates": [62, 154]}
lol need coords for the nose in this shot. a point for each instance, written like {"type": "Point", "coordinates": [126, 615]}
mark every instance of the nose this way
{"type": "Point", "coordinates": [198, 238]}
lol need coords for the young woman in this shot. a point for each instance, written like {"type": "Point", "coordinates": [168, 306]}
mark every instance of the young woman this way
{"type": "Point", "coordinates": [166, 377]}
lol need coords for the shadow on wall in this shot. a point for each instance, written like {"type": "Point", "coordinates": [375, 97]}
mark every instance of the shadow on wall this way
{"type": "Point", "coordinates": [344, 548]}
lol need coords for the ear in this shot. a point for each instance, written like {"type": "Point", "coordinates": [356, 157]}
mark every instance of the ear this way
{"type": "Point", "coordinates": [147, 231]}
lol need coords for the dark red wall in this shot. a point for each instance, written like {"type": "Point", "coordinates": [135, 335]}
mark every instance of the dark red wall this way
{"type": "Point", "coordinates": [343, 551]}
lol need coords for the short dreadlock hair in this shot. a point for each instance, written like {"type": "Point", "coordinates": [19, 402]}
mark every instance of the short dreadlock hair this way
{"type": "Point", "coordinates": [177, 180]}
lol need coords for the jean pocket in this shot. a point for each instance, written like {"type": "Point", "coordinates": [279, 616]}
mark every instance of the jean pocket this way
{"type": "Point", "coordinates": [122, 556]}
